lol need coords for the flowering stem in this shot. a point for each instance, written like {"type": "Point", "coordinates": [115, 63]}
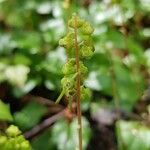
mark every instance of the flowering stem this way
{"type": "Point", "coordinates": [78, 87]}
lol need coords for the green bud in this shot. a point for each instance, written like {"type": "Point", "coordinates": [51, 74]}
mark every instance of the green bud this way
{"type": "Point", "coordinates": [63, 42]}
{"type": "Point", "coordinates": [70, 92]}
{"type": "Point", "coordinates": [86, 51]}
{"type": "Point", "coordinates": [69, 67]}
{"type": "Point", "coordinates": [25, 145]}
{"type": "Point", "coordinates": [83, 69]}
{"type": "Point", "coordinates": [3, 140]}
{"type": "Point", "coordinates": [68, 82]}
{"type": "Point", "coordinates": [17, 146]}
{"type": "Point", "coordinates": [13, 131]}
{"type": "Point", "coordinates": [87, 40]}
{"type": "Point", "coordinates": [85, 93]}
{"type": "Point", "coordinates": [12, 141]}
{"type": "Point", "coordinates": [87, 28]}
{"type": "Point", "coordinates": [20, 139]}
{"type": "Point", "coordinates": [9, 146]}
{"type": "Point", "coordinates": [68, 41]}
{"type": "Point", "coordinates": [72, 24]}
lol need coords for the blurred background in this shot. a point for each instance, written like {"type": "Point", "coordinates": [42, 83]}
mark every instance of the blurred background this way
{"type": "Point", "coordinates": [117, 116]}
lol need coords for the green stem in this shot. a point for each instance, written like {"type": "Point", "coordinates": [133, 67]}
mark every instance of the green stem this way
{"type": "Point", "coordinates": [60, 96]}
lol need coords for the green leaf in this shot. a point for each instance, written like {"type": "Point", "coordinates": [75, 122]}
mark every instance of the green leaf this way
{"type": "Point", "coordinates": [5, 112]}
{"type": "Point", "coordinates": [28, 40]}
{"type": "Point", "coordinates": [129, 86]}
{"type": "Point", "coordinates": [65, 134]}
{"type": "Point", "coordinates": [21, 59]}
{"type": "Point", "coordinates": [117, 38]}
{"type": "Point", "coordinates": [132, 135]}
{"type": "Point", "coordinates": [136, 49]}
{"type": "Point", "coordinates": [29, 116]}
{"type": "Point", "coordinates": [30, 84]}
{"type": "Point", "coordinates": [43, 141]}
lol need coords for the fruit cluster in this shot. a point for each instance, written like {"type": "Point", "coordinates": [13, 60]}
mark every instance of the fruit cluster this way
{"type": "Point", "coordinates": [86, 50]}
{"type": "Point", "coordinates": [13, 140]}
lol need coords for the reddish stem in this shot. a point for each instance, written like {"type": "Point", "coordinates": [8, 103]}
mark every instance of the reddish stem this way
{"type": "Point", "coordinates": [78, 87]}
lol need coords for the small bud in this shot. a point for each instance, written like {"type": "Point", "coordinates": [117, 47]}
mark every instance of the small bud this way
{"type": "Point", "coordinates": [85, 93]}
{"type": "Point", "coordinates": [69, 67]}
{"type": "Point", "coordinates": [72, 23]}
{"type": "Point", "coordinates": [83, 69]}
{"type": "Point", "coordinates": [17, 146]}
{"type": "Point", "coordinates": [68, 82]}
{"type": "Point", "coordinates": [86, 51]}
{"type": "Point", "coordinates": [87, 29]}
{"type": "Point", "coordinates": [68, 41]}
{"type": "Point", "coordinates": [25, 145]}
{"type": "Point", "coordinates": [70, 92]}
{"type": "Point", "coordinates": [63, 42]}
{"type": "Point", "coordinates": [3, 140]}
{"type": "Point", "coordinates": [87, 40]}
{"type": "Point", "coordinates": [9, 146]}
{"type": "Point", "coordinates": [13, 131]}
{"type": "Point", "coordinates": [20, 139]}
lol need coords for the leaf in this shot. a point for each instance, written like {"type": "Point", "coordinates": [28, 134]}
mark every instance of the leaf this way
{"type": "Point", "coordinates": [5, 112]}
{"type": "Point", "coordinates": [21, 59]}
{"type": "Point", "coordinates": [17, 75]}
{"type": "Point", "coordinates": [124, 79]}
{"type": "Point", "coordinates": [29, 116]}
{"type": "Point", "coordinates": [136, 49]}
{"type": "Point", "coordinates": [65, 134]}
{"type": "Point", "coordinates": [30, 84]}
{"type": "Point", "coordinates": [28, 40]}
{"type": "Point", "coordinates": [6, 44]}
{"type": "Point", "coordinates": [117, 39]}
{"type": "Point", "coordinates": [43, 141]}
{"type": "Point", "coordinates": [132, 135]}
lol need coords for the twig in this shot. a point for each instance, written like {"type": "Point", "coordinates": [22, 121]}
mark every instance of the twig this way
{"type": "Point", "coordinates": [40, 100]}
{"type": "Point", "coordinates": [45, 124]}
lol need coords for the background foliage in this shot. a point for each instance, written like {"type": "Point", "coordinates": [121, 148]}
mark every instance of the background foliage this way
{"type": "Point", "coordinates": [31, 62]}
